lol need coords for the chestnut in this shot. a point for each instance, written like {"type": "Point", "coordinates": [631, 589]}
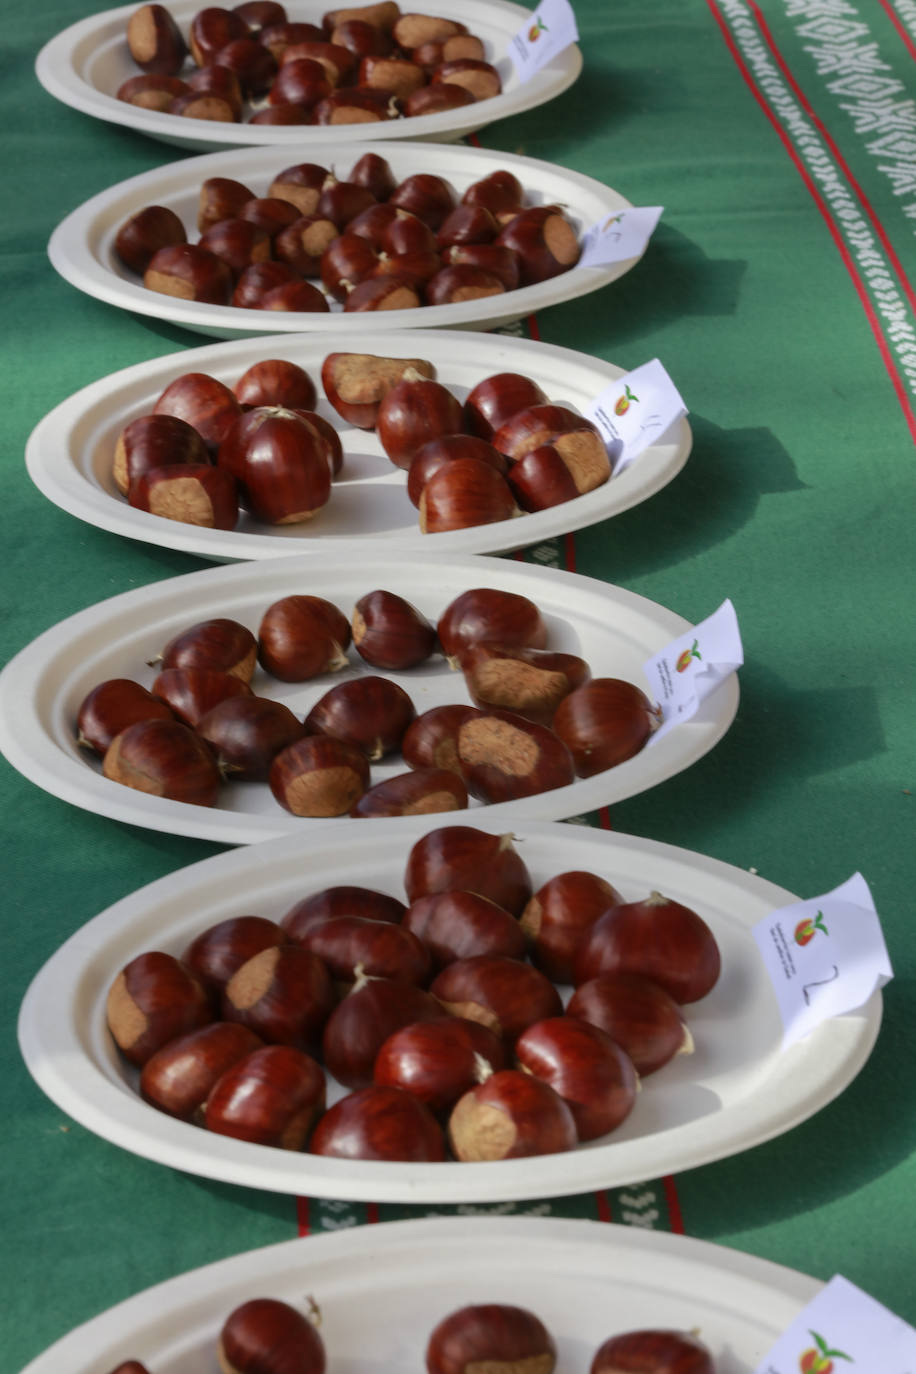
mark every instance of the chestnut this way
{"type": "Point", "coordinates": [638, 1014]}
{"type": "Point", "coordinates": [356, 383]}
{"type": "Point", "coordinates": [425, 195]}
{"type": "Point", "coordinates": [494, 1336]}
{"type": "Point", "coordinates": [204, 104]}
{"type": "Point", "coordinates": [253, 64]}
{"type": "Point", "coordinates": [431, 741]}
{"type": "Point", "coordinates": [284, 469]}
{"type": "Point", "coordinates": [275, 382]}
{"type": "Point", "coordinates": [191, 692]}
{"type": "Point", "coordinates": [342, 900]}
{"type": "Point", "coordinates": [220, 198]}
{"type": "Point", "coordinates": [388, 632]}
{"type": "Point", "coordinates": [435, 99]}
{"type": "Point", "coordinates": [219, 81]}
{"type": "Point", "coordinates": [297, 296]}
{"type": "Point", "coordinates": [302, 82]}
{"type": "Point", "coordinates": [247, 733]}
{"type": "Point", "coordinates": [238, 242]}
{"type": "Point", "coordinates": [356, 105]}
{"type": "Point", "coordinates": [421, 792]}
{"type": "Point", "coordinates": [223, 645]}
{"type": "Point", "coordinates": [371, 1011]}
{"type": "Point", "coordinates": [398, 75]}
{"type": "Point", "coordinates": [530, 682]}
{"type": "Point", "coordinates": [150, 92]}
{"type": "Point", "coordinates": [281, 115]}
{"type": "Point", "coordinates": [496, 399]}
{"type": "Point", "coordinates": [467, 224]}
{"type": "Point", "coordinates": [462, 282]}
{"type": "Point", "coordinates": [528, 429]}
{"type": "Point", "coordinates": [414, 411]}
{"type": "Point", "coordinates": [580, 1061]}
{"type": "Point", "coordinates": [510, 1115]}
{"type": "Point", "coordinates": [257, 279]}
{"type": "Point", "coordinates": [338, 62]}
{"type": "Point", "coordinates": [193, 493]}
{"type": "Point", "coordinates": [140, 237]}
{"type": "Point", "coordinates": [271, 1097]}
{"type": "Point", "coordinates": [501, 993]}
{"type": "Point", "coordinates": [302, 244]}
{"type": "Point", "coordinates": [165, 759]}
{"type": "Point", "coordinates": [319, 776]}
{"type": "Point", "coordinates": [652, 1352]}
{"type": "Point", "coordinates": [270, 213]}
{"type": "Point", "coordinates": [603, 723]}
{"type": "Point", "coordinates": [155, 41]}
{"type": "Point", "coordinates": [490, 614]}
{"type": "Point", "coordinates": [383, 14]}
{"type": "Point", "coordinates": [154, 999]}
{"type": "Point", "coordinates": [390, 292]}
{"type": "Point", "coordinates": [300, 184]}
{"type": "Point", "coordinates": [379, 1123]}
{"type": "Point", "coordinates": [492, 258]}
{"type": "Point", "coordinates": [559, 916]}
{"type": "Point", "coordinates": [211, 29]}
{"type": "Point", "coordinates": [341, 201]}
{"type": "Point", "coordinates": [202, 402]}
{"type": "Point", "coordinates": [463, 857]}
{"type": "Point", "coordinates": [659, 938]}
{"type": "Point", "coordinates": [301, 637]}
{"type": "Point", "coordinates": [266, 1335]}
{"type": "Point", "coordinates": [378, 948]}
{"type": "Point", "coordinates": [373, 171]}
{"type": "Point", "coordinates": [570, 465]}
{"type": "Point", "coordinates": [411, 30]}
{"type": "Point", "coordinates": [464, 493]}
{"type": "Point", "coordinates": [153, 441]}
{"type": "Point", "coordinates": [502, 756]}
{"type": "Point", "coordinates": [500, 192]}
{"type": "Point", "coordinates": [190, 273]}
{"type": "Point", "coordinates": [283, 993]}
{"type": "Point", "coordinates": [460, 925]}
{"type": "Point", "coordinates": [480, 78]}
{"type": "Point", "coordinates": [279, 38]}
{"type": "Point", "coordinates": [110, 707]}
{"type": "Point", "coordinates": [545, 241]}
{"type": "Point", "coordinates": [362, 39]}
{"type": "Point", "coordinates": [347, 260]}
{"type": "Point", "coordinates": [371, 713]}
{"type": "Point", "coordinates": [219, 951]}
{"type": "Point", "coordinates": [180, 1076]}
{"type": "Point", "coordinates": [438, 1061]}
{"type": "Point", "coordinates": [260, 14]}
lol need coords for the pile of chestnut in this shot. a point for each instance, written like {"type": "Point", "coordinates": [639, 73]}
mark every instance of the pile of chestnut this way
{"type": "Point", "coordinates": [207, 449]}
{"type": "Point", "coordinates": [539, 718]}
{"type": "Point", "coordinates": [265, 1335]}
{"type": "Point", "coordinates": [361, 65]}
{"type": "Point", "coordinates": [374, 243]}
{"type": "Point", "coordinates": [442, 1018]}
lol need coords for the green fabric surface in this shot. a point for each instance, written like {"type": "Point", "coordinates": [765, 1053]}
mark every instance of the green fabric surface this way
{"type": "Point", "coordinates": [797, 502]}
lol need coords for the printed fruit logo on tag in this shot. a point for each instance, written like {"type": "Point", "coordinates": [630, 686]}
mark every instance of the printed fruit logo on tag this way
{"type": "Point", "coordinates": [623, 404]}
{"type": "Point", "coordinates": [819, 1358]}
{"type": "Point", "coordinates": [683, 661]}
{"type": "Point", "coordinates": [805, 932]}
{"type": "Point", "coordinates": [536, 30]}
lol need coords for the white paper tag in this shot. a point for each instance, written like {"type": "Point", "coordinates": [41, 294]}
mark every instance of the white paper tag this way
{"type": "Point", "coordinates": [693, 665]}
{"type": "Point", "coordinates": [843, 1329]}
{"type": "Point", "coordinates": [620, 236]}
{"type": "Point", "coordinates": [635, 412]}
{"type": "Point", "coordinates": [824, 957]}
{"type": "Point", "coordinates": [547, 31]}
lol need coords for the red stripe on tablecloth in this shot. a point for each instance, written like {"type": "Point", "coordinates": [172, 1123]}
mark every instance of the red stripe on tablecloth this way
{"type": "Point", "coordinates": [675, 1215]}
{"type": "Point", "coordinates": [831, 144]}
{"type": "Point", "coordinates": [895, 20]}
{"type": "Point", "coordinates": [302, 1215]}
{"type": "Point", "coordinates": [603, 1205]}
{"type": "Point", "coordinates": [533, 328]}
{"type": "Point", "coordinates": [826, 215]}
{"type": "Point", "coordinates": [604, 816]}
{"type": "Point", "coordinates": [371, 1212]}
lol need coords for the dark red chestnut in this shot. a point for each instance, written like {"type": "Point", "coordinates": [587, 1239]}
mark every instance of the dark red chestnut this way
{"type": "Point", "coordinates": [530, 682]}
{"type": "Point", "coordinates": [659, 938]}
{"type": "Point", "coordinates": [204, 104]}
{"type": "Point", "coordinates": [398, 75]}
{"type": "Point", "coordinates": [357, 105]}
{"type": "Point", "coordinates": [435, 99]}
{"type": "Point", "coordinates": [528, 429]}
{"type": "Point", "coordinates": [302, 244]}
{"type": "Point", "coordinates": [425, 195]}
{"type": "Point", "coordinates": [500, 192]}
{"type": "Point", "coordinates": [247, 733]}
{"type": "Point", "coordinates": [373, 1009]}
{"type": "Point", "coordinates": [190, 273]}
{"type": "Point", "coordinates": [545, 241]}
{"type": "Point", "coordinates": [511, 1115]}
{"type": "Point", "coordinates": [220, 950]}
{"type": "Point", "coordinates": [319, 776]}
{"type": "Point", "coordinates": [238, 242]}
{"type": "Point", "coordinates": [165, 759]}
{"type": "Point", "coordinates": [603, 723]}
{"type": "Point", "coordinates": [155, 41]}
{"type": "Point", "coordinates": [431, 741]}
{"type": "Point", "coordinates": [491, 1336]}
{"type": "Point", "coordinates": [301, 637]}
{"type": "Point", "coordinates": [379, 1123]}
{"type": "Point", "coordinates": [154, 999]}
{"type": "Point", "coordinates": [438, 1061]}
{"type": "Point", "coordinates": [489, 614]}
{"type": "Point", "coordinates": [193, 493]}
{"type": "Point", "coordinates": [300, 184]}
{"type": "Point", "coordinates": [298, 296]}
{"type": "Point", "coordinates": [303, 82]}
{"type": "Point", "coordinates": [480, 78]}
{"type": "Point", "coordinates": [179, 1078]}
{"type": "Point", "coordinates": [636, 1012]}
{"type": "Point", "coordinates": [253, 64]}
{"type": "Point", "coordinates": [153, 441]}
{"type": "Point", "coordinates": [220, 198]}
{"type": "Point", "coordinates": [503, 757]}
{"type": "Point", "coordinates": [463, 857]}
{"type": "Point", "coordinates": [257, 279]}
{"type": "Point", "coordinates": [390, 292]}
{"type": "Point", "coordinates": [370, 713]}
{"type": "Point", "coordinates": [378, 948]}
{"type": "Point", "coordinates": [559, 916]}
{"type": "Point", "coordinates": [460, 925]}
{"type": "Point", "coordinates": [503, 994]}
{"type": "Point", "coordinates": [421, 792]}
{"type": "Point", "coordinates": [271, 1097]}
{"type": "Point", "coordinates": [339, 63]}
{"type": "Point", "coordinates": [652, 1352]}
{"type": "Point", "coordinates": [211, 29]}
{"type": "Point", "coordinates": [284, 994]}
{"type": "Point", "coordinates": [260, 14]}
{"type": "Point", "coordinates": [462, 282]}
{"type": "Point", "coordinates": [362, 39]}
{"type": "Point", "coordinates": [223, 645]}
{"type": "Point", "coordinates": [284, 469]}
{"type": "Point", "coordinates": [342, 900]}
{"type": "Point", "coordinates": [373, 171]}
{"type": "Point", "coordinates": [192, 692]}
{"type": "Point", "coordinates": [592, 1074]}
{"type": "Point", "coordinates": [219, 81]}
{"type": "Point", "coordinates": [492, 258]}
{"type": "Point", "coordinates": [141, 236]}
{"type": "Point", "coordinates": [276, 382]}
{"type": "Point", "coordinates": [462, 494]}
{"type": "Point", "coordinates": [356, 383]}
{"type": "Point", "coordinates": [390, 633]}
{"type": "Point", "coordinates": [280, 38]}
{"type": "Point", "coordinates": [266, 1336]}
{"type": "Point", "coordinates": [467, 224]}
{"type": "Point", "coordinates": [151, 92]}
{"type": "Point", "coordinates": [496, 399]}
{"type": "Point", "coordinates": [110, 707]}
{"type": "Point", "coordinates": [202, 402]}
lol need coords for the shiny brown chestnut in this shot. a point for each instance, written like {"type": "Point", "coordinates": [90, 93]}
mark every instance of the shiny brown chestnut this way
{"type": "Point", "coordinates": [636, 1012]}
{"type": "Point", "coordinates": [378, 948]}
{"type": "Point", "coordinates": [253, 64]}
{"type": "Point", "coordinates": [659, 938]}
{"type": "Point", "coordinates": [503, 1339]}
{"type": "Point", "coordinates": [490, 614]}
{"type": "Point", "coordinates": [279, 38]}
{"type": "Point", "coordinates": [411, 30]}
{"type": "Point", "coordinates": [398, 75]}
{"type": "Point", "coordinates": [192, 692]}
{"type": "Point", "coordinates": [218, 952]}
{"type": "Point", "coordinates": [110, 707]}
{"type": "Point", "coordinates": [154, 999]}
{"type": "Point", "coordinates": [140, 237]}
{"type": "Point", "coordinates": [501, 993]}
{"type": "Point", "coordinates": [447, 448]}
{"type": "Point", "coordinates": [463, 494]}
{"type": "Point", "coordinates": [180, 1076]}
{"type": "Point", "coordinates": [347, 260]}
{"type": "Point", "coordinates": [155, 41]}
{"type": "Point", "coordinates": [421, 792]}
{"type": "Point", "coordinates": [435, 99]}
{"type": "Point", "coordinates": [593, 1075]}
{"type": "Point", "coordinates": [164, 759]}
{"type": "Point", "coordinates": [356, 383]}
{"type": "Point", "coordinates": [303, 82]}
{"type": "Point", "coordinates": [362, 39]}
{"type": "Point", "coordinates": [371, 1011]}
{"type": "Point", "coordinates": [425, 195]}
{"type": "Point", "coordinates": [206, 104]}
{"type": "Point", "coordinates": [203, 402]}
{"type": "Point", "coordinates": [463, 857]}
{"type": "Point", "coordinates": [461, 925]}
{"type": "Point", "coordinates": [220, 198]}
{"type": "Point", "coordinates": [220, 81]}
{"type": "Point", "coordinates": [502, 756]}
{"type": "Point", "coordinates": [247, 733]}
{"type": "Point", "coordinates": [285, 470]}
{"type": "Point", "coordinates": [373, 171]}
{"type": "Point", "coordinates": [221, 644]}
{"type": "Point", "coordinates": [300, 184]}
{"type": "Point", "coordinates": [266, 1335]}
{"type": "Point", "coordinates": [338, 62]}
{"type": "Point", "coordinates": [271, 1097]}
{"type": "Point", "coordinates": [530, 682]}
{"type": "Point", "coordinates": [319, 776]}
{"type": "Point", "coordinates": [392, 292]}
{"type": "Point", "coordinates": [383, 14]}
{"type": "Point", "coordinates": [431, 741]}
{"type": "Point", "coordinates": [528, 429]}
{"type": "Point", "coordinates": [467, 224]}
{"type": "Point", "coordinates": [238, 242]}
{"type": "Point", "coordinates": [511, 1115]}
{"type": "Point", "coordinates": [153, 441]}
{"type": "Point", "coordinates": [344, 899]}
{"type": "Point", "coordinates": [300, 297]}
{"type": "Point", "coordinates": [500, 192]}
{"type": "Point", "coordinates": [193, 493]}
{"type": "Point", "coordinates": [559, 916]}
{"type": "Point", "coordinates": [151, 92]}
{"type": "Point", "coordinates": [390, 633]}
{"type": "Point", "coordinates": [545, 240]}
{"type": "Point", "coordinates": [414, 411]}
{"type": "Point", "coordinates": [302, 636]}
{"type": "Point", "coordinates": [652, 1352]}
{"type": "Point", "coordinates": [495, 399]}
{"type": "Point", "coordinates": [283, 993]}
{"type": "Point", "coordinates": [211, 29]}
{"type": "Point", "coordinates": [379, 1123]}
{"type": "Point", "coordinates": [438, 1061]}
{"type": "Point", "coordinates": [371, 713]}
{"type": "Point", "coordinates": [604, 722]}
{"type": "Point", "coordinates": [303, 244]}
{"type": "Point", "coordinates": [356, 105]}
{"type": "Point", "coordinates": [474, 75]}
{"type": "Point", "coordinates": [462, 282]}
{"type": "Point", "coordinates": [276, 382]}
{"type": "Point", "coordinates": [189, 272]}
{"type": "Point", "coordinates": [260, 14]}
{"type": "Point", "coordinates": [497, 261]}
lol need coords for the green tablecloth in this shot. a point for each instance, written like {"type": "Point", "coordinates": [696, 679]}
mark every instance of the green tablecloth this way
{"type": "Point", "coordinates": [781, 142]}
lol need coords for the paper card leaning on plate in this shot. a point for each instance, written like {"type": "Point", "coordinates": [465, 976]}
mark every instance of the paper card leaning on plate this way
{"type": "Point", "coordinates": [688, 669]}
{"type": "Point", "coordinates": [843, 1328]}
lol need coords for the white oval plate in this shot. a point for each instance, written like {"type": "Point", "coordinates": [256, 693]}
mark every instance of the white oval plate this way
{"type": "Point", "coordinates": [85, 64]}
{"type": "Point", "coordinates": [41, 690]}
{"type": "Point", "coordinates": [82, 246]}
{"type": "Point", "coordinates": [736, 1090]}
{"type": "Point", "coordinates": [69, 454]}
{"type": "Point", "coordinates": [381, 1292]}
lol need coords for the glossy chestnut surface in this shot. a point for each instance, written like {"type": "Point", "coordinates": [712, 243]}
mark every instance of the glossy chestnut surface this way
{"type": "Point", "coordinates": [271, 1097]}
{"type": "Point", "coordinates": [379, 1123]}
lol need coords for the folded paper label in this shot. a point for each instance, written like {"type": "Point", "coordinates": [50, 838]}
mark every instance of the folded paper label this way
{"type": "Point", "coordinates": [843, 1329]}
{"type": "Point", "coordinates": [547, 31]}
{"type": "Point", "coordinates": [635, 412]}
{"type": "Point", "coordinates": [824, 957]}
{"type": "Point", "coordinates": [692, 666]}
{"type": "Point", "coordinates": [619, 236]}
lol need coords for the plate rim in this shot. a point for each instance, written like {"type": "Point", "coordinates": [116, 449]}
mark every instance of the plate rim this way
{"type": "Point", "coordinates": [837, 1050]}
{"type": "Point", "coordinates": [53, 469]}
{"type": "Point", "coordinates": [57, 74]}
{"type": "Point", "coordinates": [34, 751]}
{"type": "Point", "coordinates": [605, 1244]}
{"type": "Point", "coordinates": [72, 248]}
